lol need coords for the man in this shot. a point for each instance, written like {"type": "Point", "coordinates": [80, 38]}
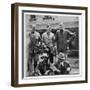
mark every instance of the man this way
{"type": "Point", "coordinates": [62, 65]}
{"type": "Point", "coordinates": [48, 39]}
{"type": "Point", "coordinates": [63, 37]}
{"type": "Point", "coordinates": [43, 65]}
{"type": "Point", "coordinates": [33, 48]}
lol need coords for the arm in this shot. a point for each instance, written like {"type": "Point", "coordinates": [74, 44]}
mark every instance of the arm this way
{"type": "Point", "coordinates": [42, 38]}
{"type": "Point", "coordinates": [70, 33]}
{"type": "Point", "coordinates": [53, 38]}
{"type": "Point", "coordinates": [46, 73]}
{"type": "Point", "coordinates": [37, 70]}
{"type": "Point", "coordinates": [71, 36]}
{"type": "Point", "coordinates": [68, 67]}
{"type": "Point", "coordinates": [56, 37]}
{"type": "Point", "coordinates": [53, 67]}
{"type": "Point", "coordinates": [43, 41]}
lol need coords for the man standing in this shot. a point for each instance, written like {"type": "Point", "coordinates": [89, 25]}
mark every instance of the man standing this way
{"type": "Point", "coordinates": [33, 49]}
{"type": "Point", "coordinates": [63, 37]}
{"type": "Point", "coordinates": [48, 39]}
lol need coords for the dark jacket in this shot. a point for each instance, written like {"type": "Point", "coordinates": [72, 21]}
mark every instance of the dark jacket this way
{"type": "Point", "coordinates": [63, 66]}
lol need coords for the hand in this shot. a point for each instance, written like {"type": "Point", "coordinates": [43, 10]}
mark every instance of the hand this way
{"type": "Point", "coordinates": [74, 33]}
{"type": "Point", "coordinates": [68, 41]}
{"type": "Point", "coordinates": [55, 47]}
{"type": "Point", "coordinates": [46, 73]}
{"type": "Point", "coordinates": [68, 69]}
{"type": "Point", "coordinates": [58, 70]}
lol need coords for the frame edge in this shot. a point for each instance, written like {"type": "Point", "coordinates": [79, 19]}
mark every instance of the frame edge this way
{"type": "Point", "coordinates": [14, 78]}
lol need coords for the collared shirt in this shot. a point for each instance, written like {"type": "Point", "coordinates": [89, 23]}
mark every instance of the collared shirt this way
{"type": "Point", "coordinates": [48, 39]}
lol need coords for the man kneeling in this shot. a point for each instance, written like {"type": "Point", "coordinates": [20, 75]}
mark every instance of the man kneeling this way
{"type": "Point", "coordinates": [62, 65]}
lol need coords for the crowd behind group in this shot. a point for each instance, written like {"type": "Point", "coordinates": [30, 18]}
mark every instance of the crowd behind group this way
{"type": "Point", "coordinates": [47, 53]}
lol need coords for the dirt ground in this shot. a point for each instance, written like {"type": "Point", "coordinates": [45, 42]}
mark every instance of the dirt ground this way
{"type": "Point", "coordinates": [74, 63]}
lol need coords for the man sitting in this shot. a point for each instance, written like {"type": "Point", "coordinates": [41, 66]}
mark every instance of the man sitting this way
{"type": "Point", "coordinates": [62, 65]}
{"type": "Point", "coordinates": [43, 65]}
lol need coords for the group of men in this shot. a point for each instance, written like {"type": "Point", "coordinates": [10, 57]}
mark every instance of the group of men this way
{"type": "Point", "coordinates": [48, 46]}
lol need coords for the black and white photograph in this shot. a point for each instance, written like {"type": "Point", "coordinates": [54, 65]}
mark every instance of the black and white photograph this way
{"type": "Point", "coordinates": [52, 45]}
{"type": "Point", "coordinates": [49, 44]}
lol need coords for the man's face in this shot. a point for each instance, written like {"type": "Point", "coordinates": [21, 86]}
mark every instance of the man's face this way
{"type": "Point", "coordinates": [45, 59]}
{"type": "Point", "coordinates": [61, 60]}
{"type": "Point", "coordinates": [48, 29]}
{"type": "Point", "coordinates": [60, 27]}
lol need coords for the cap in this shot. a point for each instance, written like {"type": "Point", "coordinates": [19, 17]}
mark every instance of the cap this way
{"type": "Point", "coordinates": [44, 55]}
